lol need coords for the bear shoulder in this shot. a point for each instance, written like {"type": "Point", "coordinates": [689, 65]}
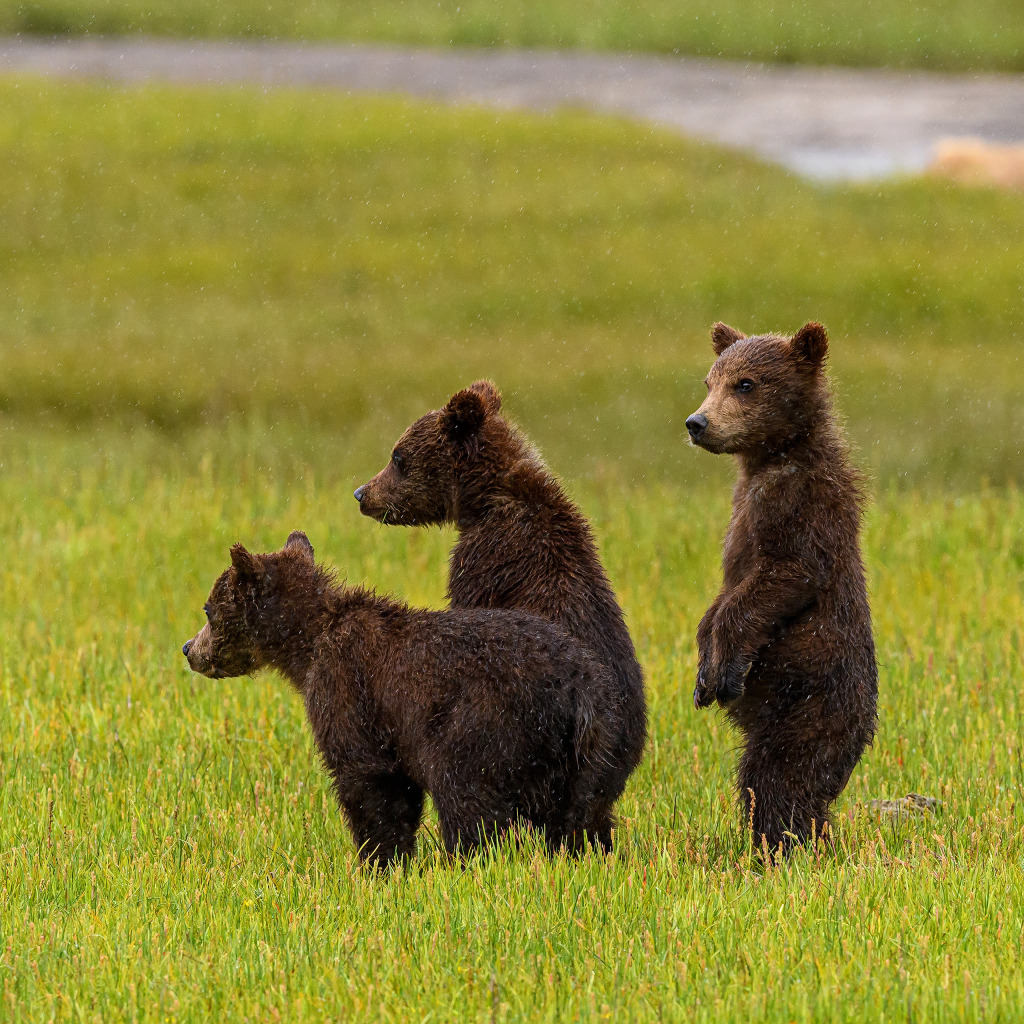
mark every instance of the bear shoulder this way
{"type": "Point", "coordinates": [532, 484]}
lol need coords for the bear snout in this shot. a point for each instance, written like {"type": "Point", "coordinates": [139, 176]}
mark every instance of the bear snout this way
{"type": "Point", "coordinates": [367, 505]}
{"type": "Point", "coordinates": [191, 653]}
{"type": "Point", "coordinates": [369, 498]}
{"type": "Point", "coordinates": [696, 425]}
{"type": "Point", "coordinates": [198, 651]}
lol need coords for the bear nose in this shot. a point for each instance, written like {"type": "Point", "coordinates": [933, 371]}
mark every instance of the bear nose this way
{"type": "Point", "coordinates": [185, 648]}
{"type": "Point", "coordinates": [359, 492]}
{"type": "Point", "coordinates": [697, 424]}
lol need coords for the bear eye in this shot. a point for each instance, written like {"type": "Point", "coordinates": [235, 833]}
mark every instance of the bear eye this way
{"type": "Point", "coordinates": [398, 459]}
{"type": "Point", "coordinates": [745, 385]}
{"type": "Point", "coordinates": [206, 610]}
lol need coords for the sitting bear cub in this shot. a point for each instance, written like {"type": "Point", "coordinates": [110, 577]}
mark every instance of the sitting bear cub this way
{"type": "Point", "coordinates": [493, 713]}
{"type": "Point", "coordinates": [523, 543]}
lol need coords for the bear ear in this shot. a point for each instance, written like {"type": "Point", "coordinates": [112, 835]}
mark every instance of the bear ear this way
{"type": "Point", "coordinates": [722, 336]}
{"type": "Point", "coordinates": [810, 343]}
{"type": "Point", "coordinates": [464, 414]}
{"type": "Point", "coordinates": [299, 543]}
{"type": "Point", "coordinates": [489, 393]}
{"type": "Point", "coordinates": [246, 565]}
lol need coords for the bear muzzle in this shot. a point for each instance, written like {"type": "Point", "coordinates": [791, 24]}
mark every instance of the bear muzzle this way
{"type": "Point", "coordinates": [369, 502]}
{"type": "Point", "coordinates": [189, 650]}
{"type": "Point", "coordinates": [696, 424]}
{"type": "Point", "coordinates": [364, 494]}
{"type": "Point", "coordinates": [198, 651]}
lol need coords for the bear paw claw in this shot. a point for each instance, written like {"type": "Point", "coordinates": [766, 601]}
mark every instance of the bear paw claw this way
{"type": "Point", "coordinates": [703, 694]}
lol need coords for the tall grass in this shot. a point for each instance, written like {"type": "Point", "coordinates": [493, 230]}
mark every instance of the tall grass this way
{"type": "Point", "coordinates": [217, 310]}
{"type": "Point", "coordinates": [170, 848]}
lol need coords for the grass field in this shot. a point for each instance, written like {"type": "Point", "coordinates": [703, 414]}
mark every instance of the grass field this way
{"type": "Point", "coordinates": [218, 309]}
{"type": "Point", "coordinates": [327, 268]}
{"type": "Point", "coordinates": [943, 34]}
{"type": "Point", "coordinates": [170, 850]}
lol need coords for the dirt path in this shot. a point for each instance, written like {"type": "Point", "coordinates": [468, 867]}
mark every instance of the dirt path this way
{"type": "Point", "coordinates": [826, 123]}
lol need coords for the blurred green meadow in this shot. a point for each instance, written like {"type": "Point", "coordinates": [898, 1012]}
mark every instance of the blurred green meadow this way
{"type": "Point", "coordinates": [218, 308]}
{"type": "Point", "coordinates": [326, 268]}
{"type": "Point", "coordinates": [968, 35]}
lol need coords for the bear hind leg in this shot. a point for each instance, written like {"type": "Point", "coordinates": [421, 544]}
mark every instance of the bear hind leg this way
{"type": "Point", "coordinates": [384, 813]}
{"type": "Point", "coordinates": [778, 807]}
{"type": "Point", "coordinates": [599, 830]}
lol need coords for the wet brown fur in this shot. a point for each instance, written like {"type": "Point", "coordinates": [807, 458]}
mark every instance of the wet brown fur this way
{"type": "Point", "coordinates": [786, 648]}
{"type": "Point", "coordinates": [522, 544]}
{"type": "Point", "coordinates": [495, 714]}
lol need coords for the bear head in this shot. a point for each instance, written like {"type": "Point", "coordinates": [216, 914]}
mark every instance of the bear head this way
{"type": "Point", "coordinates": [418, 486]}
{"type": "Point", "coordinates": [230, 643]}
{"type": "Point", "coordinates": [764, 392]}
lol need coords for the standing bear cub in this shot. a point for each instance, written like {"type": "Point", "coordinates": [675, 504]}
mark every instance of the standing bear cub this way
{"type": "Point", "coordinates": [497, 715]}
{"type": "Point", "coordinates": [522, 544]}
{"type": "Point", "coordinates": [786, 648]}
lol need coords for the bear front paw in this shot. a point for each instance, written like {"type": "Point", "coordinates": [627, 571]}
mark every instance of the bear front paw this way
{"type": "Point", "coordinates": [732, 680]}
{"type": "Point", "coordinates": [703, 694]}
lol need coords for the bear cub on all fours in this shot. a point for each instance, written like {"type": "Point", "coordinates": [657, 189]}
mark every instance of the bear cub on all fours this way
{"type": "Point", "coordinates": [522, 544]}
{"type": "Point", "coordinates": [495, 714]}
{"type": "Point", "coordinates": [786, 648]}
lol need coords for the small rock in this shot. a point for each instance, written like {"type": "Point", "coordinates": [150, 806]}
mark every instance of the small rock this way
{"type": "Point", "coordinates": [912, 803]}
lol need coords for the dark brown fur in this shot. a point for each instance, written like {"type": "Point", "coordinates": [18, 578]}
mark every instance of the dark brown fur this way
{"type": "Point", "coordinates": [522, 544]}
{"type": "Point", "coordinates": [495, 714]}
{"type": "Point", "coordinates": [786, 648]}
